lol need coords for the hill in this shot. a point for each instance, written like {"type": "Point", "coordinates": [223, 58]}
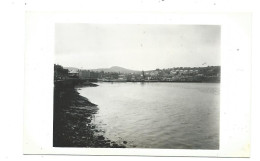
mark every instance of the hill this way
{"type": "Point", "coordinates": [71, 69]}
{"type": "Point", "coordinates": [116, 69]}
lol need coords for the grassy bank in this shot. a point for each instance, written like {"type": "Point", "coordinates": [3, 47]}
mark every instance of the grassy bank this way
{"type": "Point", "coordinates": [73, 126]}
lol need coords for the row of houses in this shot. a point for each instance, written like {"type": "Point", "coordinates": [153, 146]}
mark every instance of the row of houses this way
{"type": "Point", "coordinates": [172, 72]}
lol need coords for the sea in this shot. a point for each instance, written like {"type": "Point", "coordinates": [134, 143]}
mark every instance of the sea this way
{"type": "Point", "coordinates": [157, 115]}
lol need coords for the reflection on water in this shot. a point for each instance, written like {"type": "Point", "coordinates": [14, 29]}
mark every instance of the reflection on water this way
{"type": "Point", "coordinates": [158, 115]}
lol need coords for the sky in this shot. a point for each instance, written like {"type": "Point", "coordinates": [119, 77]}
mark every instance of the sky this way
{"type": "Point", "coordinates": [137, 47]}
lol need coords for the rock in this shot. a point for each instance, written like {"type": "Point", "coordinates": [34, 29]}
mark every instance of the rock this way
{"type": "Point", "coordinates": [101, 138]}
{"type": "Point", "coordinates": [115, 146]}
{"type": "Point", "coordinates": [124, 142]}
{"type": "Point", "coordinates": [107, 144]}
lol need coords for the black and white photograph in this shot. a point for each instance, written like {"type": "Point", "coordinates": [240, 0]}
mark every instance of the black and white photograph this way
{"type": "Point", "coordinates": [136, 84]}
{"type": "Point", "coordinates": [151, 86]}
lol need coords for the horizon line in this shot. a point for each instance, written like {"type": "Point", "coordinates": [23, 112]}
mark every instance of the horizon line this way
{"type": "Point", "coordinates": [82, 68]}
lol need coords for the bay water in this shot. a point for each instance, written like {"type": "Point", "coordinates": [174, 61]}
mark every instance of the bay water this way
{"type": "Point", "coordinates": [158, 115]}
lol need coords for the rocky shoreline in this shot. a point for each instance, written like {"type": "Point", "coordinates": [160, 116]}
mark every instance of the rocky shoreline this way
{"type": "Point", "coordinates": [73, 115]}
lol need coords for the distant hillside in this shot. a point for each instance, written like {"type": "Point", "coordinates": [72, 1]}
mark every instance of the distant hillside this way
{"type": "Point", "coordinates": [71, 69]}
{"type": "Point", "coordinates": [116, 69]}
{"type": "Point", "coordinates": [111, 69]}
